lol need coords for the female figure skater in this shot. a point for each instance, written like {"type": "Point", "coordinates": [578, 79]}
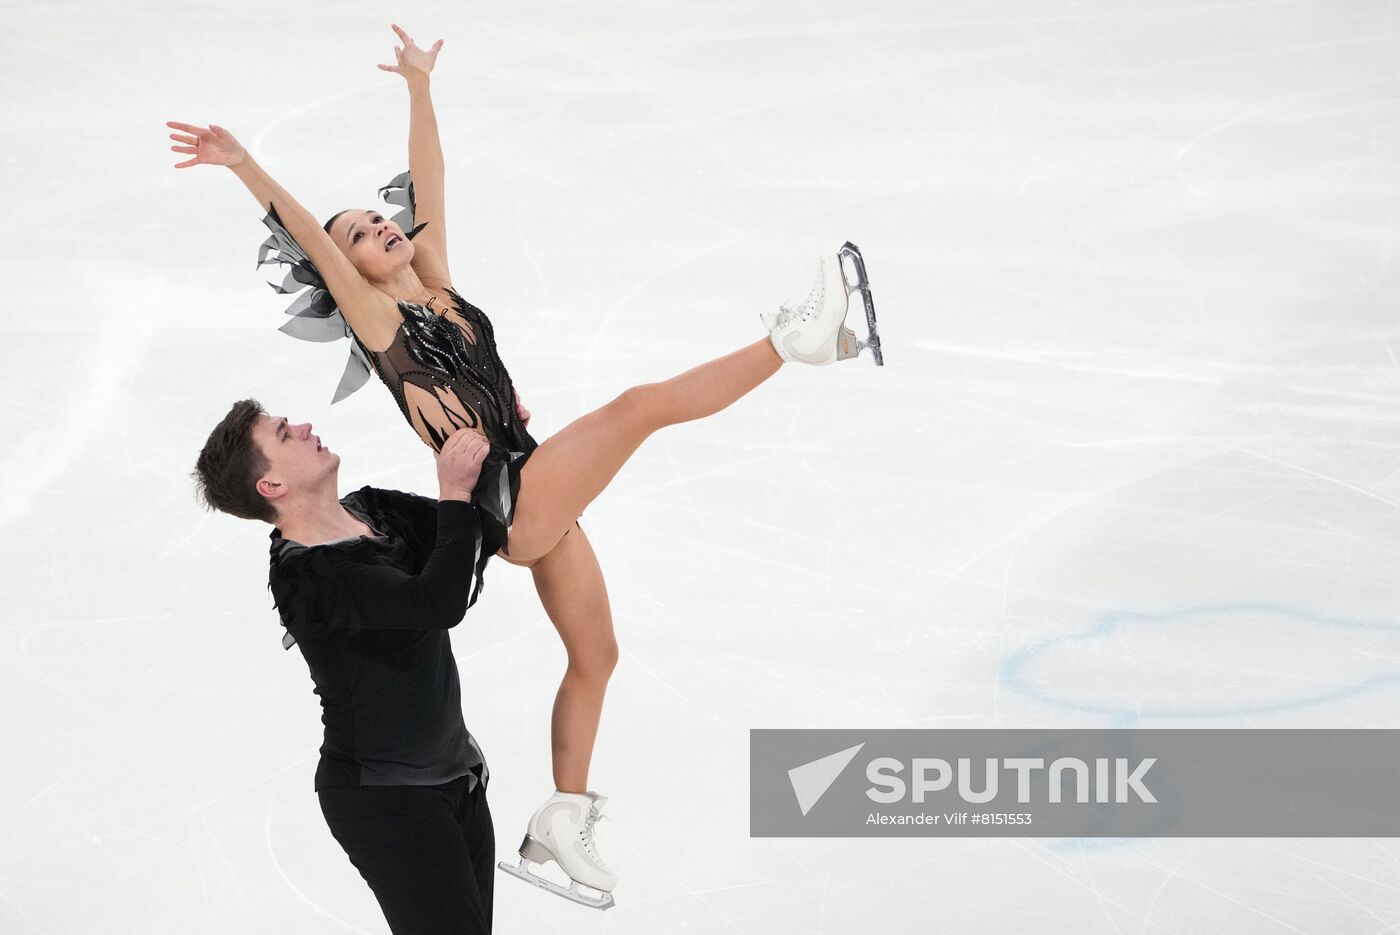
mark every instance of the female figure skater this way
{"type": "Point", "coordinates": [436, 352]}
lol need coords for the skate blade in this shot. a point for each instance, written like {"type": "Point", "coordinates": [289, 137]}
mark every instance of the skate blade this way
{"type": "Point", "coordinates": [573, 892]}
{"type": "Point", "coordinates": [862, 285]}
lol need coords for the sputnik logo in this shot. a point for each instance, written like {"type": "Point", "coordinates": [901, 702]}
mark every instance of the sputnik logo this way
{"type": "Point", "coordinates": [811, 780]}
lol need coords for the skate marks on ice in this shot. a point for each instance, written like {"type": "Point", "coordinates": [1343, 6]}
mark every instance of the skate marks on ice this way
{"type": "Point", "coordinates": [1226, 528]}
{"type": "Point", "coordinates": [80, 396]}
{"type": "Point", "coordinates": [297, 891]}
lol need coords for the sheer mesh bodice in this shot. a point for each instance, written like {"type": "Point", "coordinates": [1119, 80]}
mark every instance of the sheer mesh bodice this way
{"type": "Point", "coordinates": [445, 374]}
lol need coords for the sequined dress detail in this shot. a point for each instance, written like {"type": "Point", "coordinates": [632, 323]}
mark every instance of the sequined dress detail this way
{"type": "Point", "coordinates": [463, 381]}
{"type": "Point", "coordinates": [446, 377]}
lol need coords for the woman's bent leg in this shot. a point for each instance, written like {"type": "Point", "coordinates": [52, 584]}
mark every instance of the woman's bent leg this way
{"type": "Point", "coordinates": [573, 466]}
{"type": "Point", "coordinates": [571, 589]}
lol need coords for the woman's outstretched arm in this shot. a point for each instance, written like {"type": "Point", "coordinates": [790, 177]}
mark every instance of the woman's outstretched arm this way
{"type": "Point", "coordinates": [368, 311]}
{"type": "Point", "coordinates": [425, 162]}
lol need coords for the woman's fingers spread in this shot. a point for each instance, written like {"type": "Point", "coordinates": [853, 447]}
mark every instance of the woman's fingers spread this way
{"type": "Point", "coordinates": [184, 138]}
{"type": "Point", "coordinates": [187, 127]}
{"type": "Point", "coordinates": [184, 149]}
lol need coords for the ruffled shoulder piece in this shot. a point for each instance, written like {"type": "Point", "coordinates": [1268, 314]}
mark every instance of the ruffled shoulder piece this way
{"type": "Point", "coordinates": [399, 193]}
{"type": "Point", "coordinates": [301, 582]}
{"type": "Point", "coordinates": [307, 585]}
{"type": "Point", "coordinates": [292, 602]}
{"type": "Point", "coordinates": [314, 314]}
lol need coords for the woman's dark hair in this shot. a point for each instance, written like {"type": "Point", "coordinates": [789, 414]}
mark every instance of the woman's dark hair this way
{"type": "Point", "coordinates": [327, 226]}
{"type": "Point", "coordinates": [231, 463]}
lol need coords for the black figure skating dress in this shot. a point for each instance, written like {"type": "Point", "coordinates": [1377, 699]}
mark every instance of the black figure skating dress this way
{"type": "Point", "coordinates": [445, 373]}
{"type": "Point", "coordinates": [442, 367]}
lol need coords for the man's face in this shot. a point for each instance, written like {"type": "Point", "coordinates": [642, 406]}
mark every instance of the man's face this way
{"type": "Point", "coordinates": [296, 460]}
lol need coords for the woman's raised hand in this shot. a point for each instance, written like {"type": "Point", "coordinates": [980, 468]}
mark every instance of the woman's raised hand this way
{"type": "Point", "coordinates": [410, 56]}
{"type": "Point", "coordinates": [210, 146]}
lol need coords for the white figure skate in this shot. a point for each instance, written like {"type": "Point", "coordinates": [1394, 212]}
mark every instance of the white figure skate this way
{"type": "Point", "coordinates": [561, 830]}
{"type": "Point", "coordinates": [814, 330]}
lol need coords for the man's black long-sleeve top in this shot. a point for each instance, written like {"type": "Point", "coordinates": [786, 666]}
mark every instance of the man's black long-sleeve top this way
{"type": "Point", "coordinates": [371, 616]}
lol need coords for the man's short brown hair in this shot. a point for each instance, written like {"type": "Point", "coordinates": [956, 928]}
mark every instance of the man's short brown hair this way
{"type": "Point", "coordinates": [230, 464]}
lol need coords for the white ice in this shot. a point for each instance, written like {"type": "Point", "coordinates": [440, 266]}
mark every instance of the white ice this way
{"type": "Point", "coordinates": [1135, 270]}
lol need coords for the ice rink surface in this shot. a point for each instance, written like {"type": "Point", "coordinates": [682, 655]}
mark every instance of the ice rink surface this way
{"type": "Point", "coordinates": [1134, 460]}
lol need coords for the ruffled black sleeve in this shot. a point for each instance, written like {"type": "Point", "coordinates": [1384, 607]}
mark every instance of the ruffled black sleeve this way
{"type": "Point", "coordinates": [346, 588]}
{"type": "Point", "coordinates": [413, 516]}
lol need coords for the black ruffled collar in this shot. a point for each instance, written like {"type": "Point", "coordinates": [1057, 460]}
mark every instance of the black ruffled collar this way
{"type": "Point", "coordinates": [291, 558]}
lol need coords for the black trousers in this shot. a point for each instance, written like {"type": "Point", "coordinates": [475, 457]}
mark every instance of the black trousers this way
{"type": "Point", "coordinates": [427, 852]}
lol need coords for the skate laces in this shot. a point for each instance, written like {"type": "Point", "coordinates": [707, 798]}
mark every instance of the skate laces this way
{"type": "Point", "coordinates": [594, 816]}
{"type": "Point", "coordinates": [804, 310]}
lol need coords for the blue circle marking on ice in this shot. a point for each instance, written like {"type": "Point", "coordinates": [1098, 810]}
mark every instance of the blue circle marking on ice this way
{"type": "Point", "coordinates": [1012, 673]}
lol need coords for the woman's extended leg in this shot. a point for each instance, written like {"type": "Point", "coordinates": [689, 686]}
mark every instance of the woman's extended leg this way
{"type": "Point", "coordinates": [573, 466]}
{"type": "Point", "coordinates": [571, 589]}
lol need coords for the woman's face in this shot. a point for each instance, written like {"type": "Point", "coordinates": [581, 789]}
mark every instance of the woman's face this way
{"type": "Point", "coordinates": [372, 242]}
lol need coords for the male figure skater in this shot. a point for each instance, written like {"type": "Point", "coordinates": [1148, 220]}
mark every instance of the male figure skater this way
{"type": "Point", "coordinates": [368, 585]}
